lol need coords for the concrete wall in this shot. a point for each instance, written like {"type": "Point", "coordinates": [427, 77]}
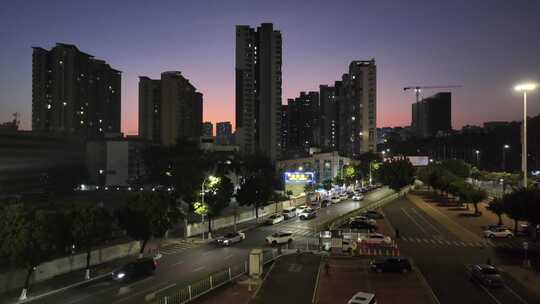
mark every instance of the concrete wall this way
{"type": "Point", "coordinates": [248, 215]}
{"type": "Point", "coordinates": [15, 279]}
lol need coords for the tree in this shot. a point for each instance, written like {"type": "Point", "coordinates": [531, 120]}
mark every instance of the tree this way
{"type": "Point", "coordinates": [147, 215]}
{"type": "Point", "coordinates": [397, 174]}
{"type": "Point", "coordinates": [309, 187]}
{"type": "Point", "coordinates": [515, 205]}
{"type": "Point", "coordinates": [476, 196]}
{"type": "Point", "coordinates": [27, 237]}
{"type": "Point", "coordinates": [91, 226]}
{"type": "Point", "coordinates": [497, 206]}
{"type": "Point", "coordinates": [219, 191]}
{"type": "Point", "coordinates": [254, 191]}
{"type": "Point", "coordinates": [327, 184]}
{"type": "Point", "coordinates": [457, 167]}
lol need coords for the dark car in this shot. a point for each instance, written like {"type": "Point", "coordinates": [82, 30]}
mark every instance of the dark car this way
{"type": "Point", "coordinates": [359, 224]}
{"type": "Point", "coordinates": [136, 269]}
{"type": "Point", "coordinates": [373, 214]}
{"type": "Point", "coordinates": [484, 274]}
{"type": "Point", "coordinates": [390, 264]}
{"type": "Point", "coordinates": [326, 203]}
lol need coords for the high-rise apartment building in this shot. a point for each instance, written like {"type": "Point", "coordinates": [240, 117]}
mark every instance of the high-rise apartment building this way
{"type": "Point", "coordinates": [432, 115]}
{"type": "Point", "coordinates": [357, 98]}
{"type": "Point", "coordinates": [207, 129]}
{"type": "Point", "coordinates": [303, 123]}
{"type": "Point", "coordinates": [72, 92]}
{"type": "Point", "coordinates": [224, 133]}
{"type": "Point", "coordinates": [284, 129]}
{"type": "Point", "coordinates": [329, 123]}
{"type": "Point", "coordinates": [178, 109]}
{"type": "Point", "coordinates": [258, 89]}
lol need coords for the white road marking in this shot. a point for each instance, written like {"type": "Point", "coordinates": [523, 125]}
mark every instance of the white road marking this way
{"type": "Point", "coordinates": [413, 220]}
{"type": "Point", "coordinates": [134, 294]}
{"type": "Point", "coordinates": [178, 263]}
{"type": "Point", "coordinates": [198, 269]}
{"type": "Point", "coordinates": [425, 220]}
{"type": "Point", "coordinates": [490, 294]}
{"type": "Point", "coordinates": [516, 295]}
{"type": "Point", "coordinates": [228, 256]}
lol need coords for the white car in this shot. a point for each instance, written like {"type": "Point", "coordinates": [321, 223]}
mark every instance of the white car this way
{"type": "Point", "coordinates": [231, 238]}
{"type": "Point", "coordinates": [357, 197]}
{"type": "Point", "coordinates": [363, 298]}
{"type": "Point", "coordinates": [335, 199]}
{"type": "Point", "coordinates": [375, 239]}
{"type": "Point", "coordinates": [274, 219]}
{"type": "Point", "coordinates": [300, 209]}
{"type": "Point", "coordinates": [281, 237]}
{"type": "Point", "coordinates": [361, 218]}
{"type": "Point", "coordinates": [498, 232]}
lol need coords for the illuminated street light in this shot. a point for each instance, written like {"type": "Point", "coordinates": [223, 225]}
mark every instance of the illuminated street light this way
{"type": "Point", "coordinates": [524, 87]}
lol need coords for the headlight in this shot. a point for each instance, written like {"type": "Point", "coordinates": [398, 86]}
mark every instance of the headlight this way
{"type": "Point", "coordinates": [120, 275]}
{"type": "Point", "coordinates": [226, 241]}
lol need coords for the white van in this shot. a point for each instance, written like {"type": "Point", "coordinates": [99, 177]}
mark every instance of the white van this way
{"type": "Point", "coordinates": [289, 212]}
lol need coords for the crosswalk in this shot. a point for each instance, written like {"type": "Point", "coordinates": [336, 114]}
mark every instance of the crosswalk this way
{"type": "Point", "coordinates": [509, 244]}
{"type": "Point", "coordinates": [296, 231]}
{"type": "Point", "coordinates": [176, 247]}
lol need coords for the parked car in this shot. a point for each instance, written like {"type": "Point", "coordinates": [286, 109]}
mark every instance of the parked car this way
{"type": "Point", "coordinates": [300, 209]}
{"type": "Point", "coordinates": [343, 195]}
{"type": "Point", "coordinates": [315, 206]}
{"type": "Point", "coordinates": [501, 232]}
{"type": "Point", "coordinates": [364, 190]}
{"type": "Point", "coordinates": [325, 203]}
{"type": "Point", "coordinates": [376, 239]}
{"type": "Point", "coordinates": [362, 218]}
{"type": "Point", "coordinates": [274, 219]}
{"type": "Point", "coordinates": [357, 197]}
{"type": "Point", "coordinates": [484, 274]}
{"type": "Point", "coordinates": [372, 214]}
{"type": "Point", "coordinates": [231, 238]}
{"type": "Point", "coordinates": [363, 298]}
{"type": "Point", "coordinates": [335, 199]}
{"type": "Point", "coordinates": [281, 237]}
{"type": "Point", "coordinates": [307, 214]}
{"type": "Point", "coordinates": [361, 225]}
{"type": "Point", "coordinates": [289, 213]}
{"type": "Point", "coordinates": [136, 269]}
{"type": "Point", "coordinates": [390, 264]}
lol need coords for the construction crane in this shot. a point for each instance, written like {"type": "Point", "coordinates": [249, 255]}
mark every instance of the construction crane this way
{"type": "Point", "coordinates": [417, 89]}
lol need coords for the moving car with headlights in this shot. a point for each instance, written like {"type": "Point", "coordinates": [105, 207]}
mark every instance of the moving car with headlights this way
{"type": "Point", "coordinates": [231, 238]}
{"type": "Point", "coordinates": [335, 199]}
{"type": "Point", "coordinates": [274, 219]}
{"type": "Point", "coordinates": [357, 197]}
{"type": "Point", "coordinates": [484, 274]}
{"type": "Point", "coordinates": [281, 237]}
{"type": "Point", "coordinates": [363, 298]}
{"type": "Point", "coordinates": [307, 214]}
{"type": "Point", "coordinates": [498, 232]}
{"type": "Point", "coordinates": [390, 264]}
{"type": "Point", "coordinates": [136, 269]}
{"type": "Point", "coordinates": [375, 239]}
{"type": "Point", "coordinates": [289, 212]}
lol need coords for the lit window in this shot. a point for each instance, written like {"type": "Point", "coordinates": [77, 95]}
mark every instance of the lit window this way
{"type": "Point", "coordinates": [64, 103]}
{"type": "Point", "coordinates": [82, 122]}
{"type": "Point", "coordinates": [100, 121]}
{"type": "Point", "coordinates": [60, 62]}
{"type": "Point", "coordinates": [353, 118]}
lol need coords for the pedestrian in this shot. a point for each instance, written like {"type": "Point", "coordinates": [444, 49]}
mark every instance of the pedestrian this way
{"type": "Point", "coordinates": [397, 233]}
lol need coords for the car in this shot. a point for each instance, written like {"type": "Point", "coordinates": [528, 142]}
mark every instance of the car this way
{"type": "Point", "coordinates": [300, 209]}
{"type": "Point", "coordinates": [357, 197]}
{"type": "Point", "coordinates": [307, 214]}
{"type": "Point", "coordinates": [363, 298]}
{"type": "Point", "coordinates": [231, 238]}
{"type": "Point", "coordinates": [501, 232]}
{"type": "Point", "coordinates": [484, 274]}
{"type": "Point", "coordinates": [274, 219]}
{"type": "Point", "coordinates": [375, 239]}
{"type": "Point", "coordinates": [390, 264]}
{"type": "Point", "coordinates": [364, 190]}
{"type": "Point", "coordinates": [494, 226]}
{"type": "Point", "coordinates": [364, 219]}
{"type": "Point", "coordinates": [289, 213]}
{"type": "Point", "coordinates": [315, 206]}
{"type": "Point", "coordinates": [325, 203]}
{"type": "Point", "coordinates": [335, 199]}
{"type": "Point", "coordinates": [372, 214]}
{"type": "Point", "coordinates": [343, 195]}
{"type": "Point", "coordinates": [361, 225]}
{"type": "Point", "coordinates": [281, 237]}
{"type": "Point", "coordinates": [136, 269]}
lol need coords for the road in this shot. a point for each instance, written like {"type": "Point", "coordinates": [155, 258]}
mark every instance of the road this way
{"type": "Point", "coordinates": [184, 264]}
{"type": "Point", "coordinates": [441, 256]}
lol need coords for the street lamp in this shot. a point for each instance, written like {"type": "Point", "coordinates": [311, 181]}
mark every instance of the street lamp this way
{"type": "Point", "coordinates": [477, 157]}
{"type": "Point", "coordinates": [505, 147]}
{"type": "Point", "coordinates": [525, 87]}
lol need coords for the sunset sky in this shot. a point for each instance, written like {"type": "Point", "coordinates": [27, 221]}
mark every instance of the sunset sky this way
{"type": "Point", "coordinates": [486, 46]}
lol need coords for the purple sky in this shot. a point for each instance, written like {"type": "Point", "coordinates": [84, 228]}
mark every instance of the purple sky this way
{"type": "Point", "coordinates": [485, 45]}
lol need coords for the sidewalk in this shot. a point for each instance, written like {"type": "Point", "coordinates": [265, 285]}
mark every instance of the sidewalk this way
{"type": "Point", "coordinates": [452, 215]}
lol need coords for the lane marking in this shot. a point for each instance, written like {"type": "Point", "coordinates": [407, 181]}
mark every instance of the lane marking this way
{"type": "Point", "coordinates": [177, 263]}
{"type": "Point", "coordinates": [135, 294]}
{"type": "Point", "coordinates": [425, 220]}
{"type": "Point", "coordinates": [198, 269]}
{"type": "Point", "coordinates": [228, 256]}
{"type": "Point", "coordinates": [413, 220]}
{"type": "Point", "coordinates": [516, 295]}
{"type": "Point", "coordinates": [489, 293]}
{"type": "Point", "coordinates": [206, 253]}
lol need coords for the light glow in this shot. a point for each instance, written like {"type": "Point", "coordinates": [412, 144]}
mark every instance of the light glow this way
{"type": "Point", "coordinates": [525, 87]}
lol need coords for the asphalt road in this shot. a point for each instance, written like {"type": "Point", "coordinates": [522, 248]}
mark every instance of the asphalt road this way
{"type": "Point", "coordinates": [441, 256]}
{"type": "Point", "coordinates": [186, 265]}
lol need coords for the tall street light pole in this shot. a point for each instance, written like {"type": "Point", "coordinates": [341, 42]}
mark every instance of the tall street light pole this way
{"type": "Point", "coordinates": [525, 87]}
{"type": "Point", "coordinates": [477, 157]}
{"type": "Point", "coordinates": [505, 147]}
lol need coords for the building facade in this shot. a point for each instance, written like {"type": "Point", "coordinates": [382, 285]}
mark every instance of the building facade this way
{"type": "Point", "coordinates": [432, 115]}
{"type": "Point", "coordinates": [303, 118]}
{"type": "Point", "coordinates": [207, 129]}
{"type": "Point", "coordinates": [326, 166]}
{"type": "Point", "coordinates": [357, 110]}
{"type": "Point", "coordinates": [258, 89]}
{"type": "Point", "coordinates": [329, 123]}
{"type": "Point", "coordinates": [169, 109]}
{"type": "Point", "coordinates": [72, 92]}
{"type": "Point", "coordinates": [224, 133]}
